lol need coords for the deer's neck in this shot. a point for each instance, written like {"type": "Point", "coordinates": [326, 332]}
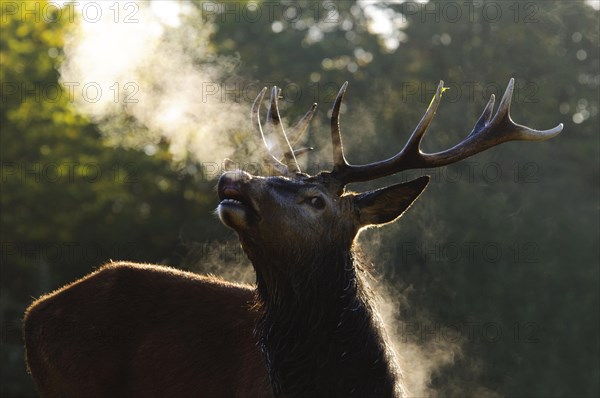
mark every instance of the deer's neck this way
{"type": "Point", "coordinates": [318, 329]}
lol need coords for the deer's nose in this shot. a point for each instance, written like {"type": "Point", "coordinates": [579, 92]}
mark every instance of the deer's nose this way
{"type": "Point", "coordinates": [231, 184]}
{"type": "Point", "coordinates": [235, 176]}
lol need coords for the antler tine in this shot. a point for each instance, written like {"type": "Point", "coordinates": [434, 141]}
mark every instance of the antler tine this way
{"type": "Point", "coordinates": [346, 173]}
{"type": "Point", "coordinates": [488, 132]}
{"type": "Point", "coordinates": [255, 118]}
{"type": "Point", "coordinates": [254, 114]}
{"type": "Point", "coordinates": [297, 152]}
{"type": "Point", "coordinates": [273, 120]}
{"type": "Point", "coordinates": [296, 132]}
{"type": "Point", "coordinates": [519, 132]}
{"type": "Point", "coordinates": [339, 160]}
{"type": "Point", "coordinates": [414, 142]}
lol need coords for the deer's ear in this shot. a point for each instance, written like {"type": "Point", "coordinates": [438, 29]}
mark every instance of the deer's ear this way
{"type": "Point", "coordinates": [387, 204]}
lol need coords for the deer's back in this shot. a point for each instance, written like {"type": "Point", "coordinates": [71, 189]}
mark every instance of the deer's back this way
{"type": "Point", "coordinates": [142, 331]}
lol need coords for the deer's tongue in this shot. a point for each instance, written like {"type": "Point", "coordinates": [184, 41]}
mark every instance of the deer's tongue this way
{"type": "Point", "coordinates": [231, 192]}
{"type": "Point", "coordinates": [231, 195]}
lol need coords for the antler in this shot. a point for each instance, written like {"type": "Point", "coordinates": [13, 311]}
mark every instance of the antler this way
{"type": "Point", "coordinates": [488, 132]}
{"type": "Point", "coordinates": [274, 154]}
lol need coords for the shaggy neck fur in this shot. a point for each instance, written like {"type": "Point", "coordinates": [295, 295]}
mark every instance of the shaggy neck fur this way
{"type": "Point", "coordinates": [318, 328]}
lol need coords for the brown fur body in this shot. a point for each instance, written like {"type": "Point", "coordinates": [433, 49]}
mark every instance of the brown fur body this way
{"type": "Point", "coordinates": [132, 330]}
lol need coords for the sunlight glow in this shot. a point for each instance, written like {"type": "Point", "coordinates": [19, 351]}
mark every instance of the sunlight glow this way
{"type": "Point", "coordinates": [167, 11]}
{"type": "Point", "coordinates": [138, 60]}
{"type": "Point", "coordinates": [384, 22]}
{"type": "Point", "coordinates": [594, 3]}
{"type": "Point", "coordinates": [118, 37]}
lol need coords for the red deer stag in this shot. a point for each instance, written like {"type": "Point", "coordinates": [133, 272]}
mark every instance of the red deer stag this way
{"type": "Point", "coordinates": [309, 328]}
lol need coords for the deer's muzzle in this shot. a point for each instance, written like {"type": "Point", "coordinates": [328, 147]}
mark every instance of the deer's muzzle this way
{"type": "Point", "coordinates": [235, 208]}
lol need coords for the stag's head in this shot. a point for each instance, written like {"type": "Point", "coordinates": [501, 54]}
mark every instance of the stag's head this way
{"type": "Point", "coordinates": [288, 214]}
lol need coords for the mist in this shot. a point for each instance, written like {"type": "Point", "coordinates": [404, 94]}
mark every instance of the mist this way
{"type": "Point", "coordinates": [162, 84]}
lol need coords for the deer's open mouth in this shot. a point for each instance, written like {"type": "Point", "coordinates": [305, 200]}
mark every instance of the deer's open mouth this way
{"type": "Point", "coordinates": [233, 197]}
{"type": "Point", "coordinates": [235, 208]}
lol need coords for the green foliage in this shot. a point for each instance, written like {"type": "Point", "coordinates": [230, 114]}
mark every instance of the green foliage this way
{"type": "Point", "coordinates": [515, 252]}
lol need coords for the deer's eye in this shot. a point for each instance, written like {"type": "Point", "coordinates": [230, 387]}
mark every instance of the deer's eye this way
{"type": "Point", "coordinates": [316, 201]}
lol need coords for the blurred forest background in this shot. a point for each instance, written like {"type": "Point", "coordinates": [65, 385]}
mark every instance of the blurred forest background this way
{"type": "Point", "coordinates": [492, 276]}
